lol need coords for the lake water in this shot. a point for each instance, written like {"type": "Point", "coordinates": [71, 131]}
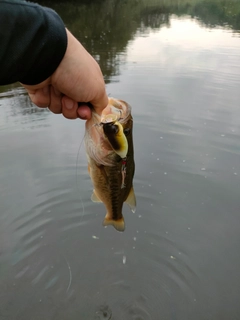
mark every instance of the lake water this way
{"type": "Point", "coordinates": [178, 64]}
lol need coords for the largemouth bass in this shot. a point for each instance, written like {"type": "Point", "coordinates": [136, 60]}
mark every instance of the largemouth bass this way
{"type": "Point", "coordinates": [109, 147]}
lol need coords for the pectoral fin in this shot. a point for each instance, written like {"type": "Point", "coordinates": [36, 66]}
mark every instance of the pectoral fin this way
{"type": "Point", "coordinates": [94, 197]}
{"type": "Point", "coordinates": [131, 200]}
{"type": "Point", "coordinates": [119, 224]}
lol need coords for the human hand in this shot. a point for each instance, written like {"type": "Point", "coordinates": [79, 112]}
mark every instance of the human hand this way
{"type": "Point", "coordinates": [78, 78]}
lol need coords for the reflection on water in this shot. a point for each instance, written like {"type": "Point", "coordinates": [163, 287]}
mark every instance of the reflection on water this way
{"type": "Point", "coordinates": [177, 64]}
{"type": "Point", "coordinates": [19, 111]}
{"type": "Point", "coordinates": [106, 27]}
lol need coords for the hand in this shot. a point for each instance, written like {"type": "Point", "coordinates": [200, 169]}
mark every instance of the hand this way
{"type": "Point", "coordinates": [78, 78]}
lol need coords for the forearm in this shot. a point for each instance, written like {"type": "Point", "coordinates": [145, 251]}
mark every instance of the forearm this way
{"type": "Point", "coordinates": [33, 42]}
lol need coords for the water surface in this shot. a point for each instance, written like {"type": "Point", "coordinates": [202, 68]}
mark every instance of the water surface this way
{"type": "Point", "coordinates": [177, 64]}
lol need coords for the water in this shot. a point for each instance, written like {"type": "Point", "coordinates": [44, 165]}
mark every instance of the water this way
{"type": "Point", "coordinates": [177, 64]}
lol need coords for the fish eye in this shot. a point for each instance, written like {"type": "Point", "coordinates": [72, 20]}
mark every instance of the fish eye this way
{"type": "Point", "coordinates": [126, 131]}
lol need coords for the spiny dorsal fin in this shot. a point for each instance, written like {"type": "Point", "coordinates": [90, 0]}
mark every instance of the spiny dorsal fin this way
{"type": "Point", "coordinates": [131, 200]}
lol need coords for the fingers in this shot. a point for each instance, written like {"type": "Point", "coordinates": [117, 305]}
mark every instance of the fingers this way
{"type": "Point", "coordinates": [55, 101]}
{"type": "Point", "coordinates": [47, 97]}
{"type": "Point", "coordinates": [84, 112]}
{"type": "Point", "coordinates": [52, 98]}
{"type": "Point", "coordinates": [40, 97]}
{"type": "Point", "coordinates": [69, 108]}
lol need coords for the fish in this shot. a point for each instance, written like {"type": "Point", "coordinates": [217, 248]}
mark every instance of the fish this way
{"type": "Point", "coordinates": [109, 148]}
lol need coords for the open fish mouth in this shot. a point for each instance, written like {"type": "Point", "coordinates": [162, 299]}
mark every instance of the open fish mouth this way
{"type": "Point", "coordinates": [109, 118]}
{"type": "Point", "coordinates": [116, 110]}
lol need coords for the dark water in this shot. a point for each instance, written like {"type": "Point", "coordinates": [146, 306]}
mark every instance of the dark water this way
{"type": "Point", "coordinates": [178, 64]}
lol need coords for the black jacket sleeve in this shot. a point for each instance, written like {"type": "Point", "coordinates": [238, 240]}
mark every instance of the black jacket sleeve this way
{"type": "Point", "coordinates": [33, 41]}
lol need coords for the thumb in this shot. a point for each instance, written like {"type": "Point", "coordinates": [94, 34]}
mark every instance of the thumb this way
{"type": "Point", "coordinates": [100, 103]}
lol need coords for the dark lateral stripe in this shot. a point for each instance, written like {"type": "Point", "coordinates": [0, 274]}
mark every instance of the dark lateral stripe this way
{"type": "Point", "coordinates": [114, 183]}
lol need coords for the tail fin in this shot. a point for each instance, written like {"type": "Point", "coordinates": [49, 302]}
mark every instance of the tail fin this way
{"type": "Point", "coordinates": [119, 224]}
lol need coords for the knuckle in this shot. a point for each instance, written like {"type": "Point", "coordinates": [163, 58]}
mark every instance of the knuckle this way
{"type": "Point", "coordinates": [54, 109]}
{"type": "Point", "coordinates": [70, 116]}
{"type": "Point", "coordinates": [39, 101]}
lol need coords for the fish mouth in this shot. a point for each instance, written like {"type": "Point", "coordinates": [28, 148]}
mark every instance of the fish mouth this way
{"type": "Point", "coordinates": [109, 119]}
{"type": "Point", "coordinates": [116, 110]}
{"type": "Point", "coordinates": [105, 133]}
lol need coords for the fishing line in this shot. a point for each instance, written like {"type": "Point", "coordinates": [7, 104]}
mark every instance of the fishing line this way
{"type": "Point", "coordinates": [79, 148]}
{"type": "Point", "coordinates": [70, 274]}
